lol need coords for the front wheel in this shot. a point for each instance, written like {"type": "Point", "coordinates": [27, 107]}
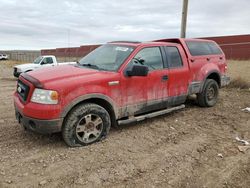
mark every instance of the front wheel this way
{"type": "Point", "coordinates": [86, 124]}
{"type": "Point", "coordinates": [209, 96]}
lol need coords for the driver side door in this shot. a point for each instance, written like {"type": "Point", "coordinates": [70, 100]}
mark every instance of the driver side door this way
{"type": "Point", "coordinates": [145, 93]}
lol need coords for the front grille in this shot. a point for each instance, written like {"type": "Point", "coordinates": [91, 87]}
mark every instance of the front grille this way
{"type": "Point", "coordinates": [22, 90]}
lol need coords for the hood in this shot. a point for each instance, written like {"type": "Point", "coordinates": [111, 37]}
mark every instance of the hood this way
{"type": "Point", "coordinates": [63, 72]}
{"type": "Point", "coordinates": [27, 66]}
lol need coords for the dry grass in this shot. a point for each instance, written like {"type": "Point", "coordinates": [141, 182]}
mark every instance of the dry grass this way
{"type": "Point", "coordinates": [239, 83]}
{"type": "Point", "coordinates": [239, 72]}
{"type": "Point", "coordinates": [239, 69]}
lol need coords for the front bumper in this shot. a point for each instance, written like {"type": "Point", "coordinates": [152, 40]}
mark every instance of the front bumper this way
{"type": "Point", "coordinates": [225, 80]}
{"type": "Point", "coordinates": [37, 125]}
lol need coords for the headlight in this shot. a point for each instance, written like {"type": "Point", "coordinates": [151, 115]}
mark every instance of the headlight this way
{"type": "Point", "coordinates": [45, 96]}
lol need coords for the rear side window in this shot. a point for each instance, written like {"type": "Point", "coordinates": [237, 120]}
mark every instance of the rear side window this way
{"type": "Point", "coordinates": [214, 48]}
{"type": "Point", "coordinates": [197, 48]}
{"type": "Point", "coordinates": [173, 57]}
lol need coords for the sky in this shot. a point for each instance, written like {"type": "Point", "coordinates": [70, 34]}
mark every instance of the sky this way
{"type": "Point", "coordinates": [43, 24]}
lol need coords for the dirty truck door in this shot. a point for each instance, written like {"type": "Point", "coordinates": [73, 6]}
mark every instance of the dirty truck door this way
{"type": "Point", "coordinates": [178, 75]}
{"type": "Point", "coordinates": [145, 93]}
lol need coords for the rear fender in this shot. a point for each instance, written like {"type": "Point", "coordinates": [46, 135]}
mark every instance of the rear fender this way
{"type": "Point", "coordinates": [209, 71]}
{"type": "Point", "coordinates": [205, 71]}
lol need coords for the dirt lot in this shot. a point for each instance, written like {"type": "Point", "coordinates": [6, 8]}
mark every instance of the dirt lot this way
{"type": "Point", "coordinates": [195, 147]}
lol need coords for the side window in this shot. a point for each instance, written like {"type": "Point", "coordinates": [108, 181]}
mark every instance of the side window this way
{"type": "Point", "coordinates": [197, 48]}
{"type": "Point", "coordinates": [152, 58]}
{"type": "Point", "coordinates": [173, 56]}
{"type": "Point", "coordinates": [48, 60]}
{"type": "Point", "coordinates": [214, 48]}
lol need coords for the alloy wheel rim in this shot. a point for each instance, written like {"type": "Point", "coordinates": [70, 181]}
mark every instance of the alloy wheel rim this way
{"type": "Point", "coordinates": [89, 128]}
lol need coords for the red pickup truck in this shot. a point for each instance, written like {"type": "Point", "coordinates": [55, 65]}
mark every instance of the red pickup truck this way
{"type": "Point", "coordinates": [119, 82]}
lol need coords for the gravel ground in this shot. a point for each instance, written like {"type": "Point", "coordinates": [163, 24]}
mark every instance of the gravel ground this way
{"type": "Point", "coordinates": [194, 147]}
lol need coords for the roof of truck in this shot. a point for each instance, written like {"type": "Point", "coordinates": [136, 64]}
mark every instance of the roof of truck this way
{"type": "Point", "coordinates": [170, 40]}
{"type": "Point", "coordinates": [181, 40]}
{"type": "Point", "coordinates": [135, 44]}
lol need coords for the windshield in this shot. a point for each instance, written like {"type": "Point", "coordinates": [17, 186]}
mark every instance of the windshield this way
{"type": "Point", "coordinates": [37, 60]}
{"type": "Point", "coordinates": [107, 57]}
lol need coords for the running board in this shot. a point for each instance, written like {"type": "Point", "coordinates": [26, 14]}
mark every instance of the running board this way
{"type": "Point", "coordinates": [150, 115]}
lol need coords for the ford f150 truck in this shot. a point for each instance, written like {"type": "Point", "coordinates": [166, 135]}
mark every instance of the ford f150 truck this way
{"type": "Point", "coordinates": [118, 83]}
{"type": "Point", "coordinates": [40, 62]}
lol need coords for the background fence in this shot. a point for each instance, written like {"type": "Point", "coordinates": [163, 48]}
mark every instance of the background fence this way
{"type": "Point", "coordinates": [234, 47]}
{"type": "Point", "coordinates": [22, 55]}
{"type": "Point", "coordinates": [70, 54]}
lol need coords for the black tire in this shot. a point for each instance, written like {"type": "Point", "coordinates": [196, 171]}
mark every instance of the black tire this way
{"type": "Point", "coordinates": [81, 126]}
{"type": "Point", "coordinates": [209, 95]}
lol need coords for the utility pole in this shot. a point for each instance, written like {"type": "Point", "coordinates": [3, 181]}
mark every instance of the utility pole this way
{"type": "Point", "coordinates": [68, 45]}
{"type": "Point", "coordinates": [184, 18]}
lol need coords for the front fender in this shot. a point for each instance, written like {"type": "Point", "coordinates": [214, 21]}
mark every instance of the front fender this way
{"type": "Point", "coordinates": [85, 92]}
{"type": "Point", "coordinates": [85, 97]}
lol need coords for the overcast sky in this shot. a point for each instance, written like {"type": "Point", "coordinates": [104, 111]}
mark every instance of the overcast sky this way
{"type": "Point", "coordinates": [39, 24]}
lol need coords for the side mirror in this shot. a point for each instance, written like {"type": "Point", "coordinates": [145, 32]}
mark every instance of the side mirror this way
{"type": "Point", "coordinates": [42, 63]}
{"type": "Point", "coordinates": [137, 70]}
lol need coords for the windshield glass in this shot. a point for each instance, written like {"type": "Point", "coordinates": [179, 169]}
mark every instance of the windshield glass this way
{"type": "Point", "coordinates": [37, 60]}
{"type": "Point", "coordinates": [107, 57]}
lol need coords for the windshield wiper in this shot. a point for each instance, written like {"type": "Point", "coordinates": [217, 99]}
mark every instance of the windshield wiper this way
{"type": "Point", "coordinates": [90, 65]}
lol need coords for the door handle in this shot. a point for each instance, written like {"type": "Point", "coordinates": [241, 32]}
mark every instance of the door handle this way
{"type": "Point", "coordinates": [165, 77]}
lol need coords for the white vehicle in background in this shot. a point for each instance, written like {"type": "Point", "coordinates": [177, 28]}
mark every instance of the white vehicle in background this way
{"type": "Point", "coordinates": [3, 57]}
{"type": "Point", "coordinates": [40, 62]}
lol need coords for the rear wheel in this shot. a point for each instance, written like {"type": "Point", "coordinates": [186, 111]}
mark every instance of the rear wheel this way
{"type": "Point", "coordinates": [86, 124]}
{"type": "Point", "coordinates": [209, 96]}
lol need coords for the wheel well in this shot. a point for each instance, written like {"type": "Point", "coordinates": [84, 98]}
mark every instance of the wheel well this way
{"type": "Point", "coordinates": [103, 103]}
{"type": "Point", "coordinates": [216, 77]}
